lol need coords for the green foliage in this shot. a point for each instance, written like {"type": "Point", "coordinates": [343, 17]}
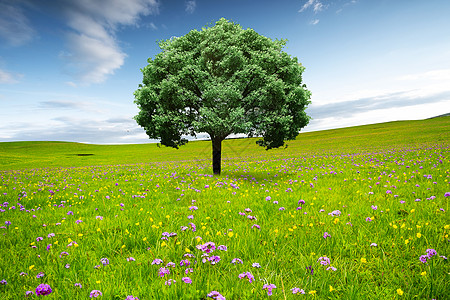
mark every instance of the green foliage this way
{"type": "Point", "coordinates": [222, 80]}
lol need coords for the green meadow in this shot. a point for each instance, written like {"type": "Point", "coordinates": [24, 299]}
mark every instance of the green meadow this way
{"type": "Point", "coordinates": [351, 213]}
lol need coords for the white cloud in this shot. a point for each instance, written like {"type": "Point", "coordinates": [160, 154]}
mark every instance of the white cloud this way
{"type": "Point", "coordinates": [190, 6]}
{"type": "Point", "coordinates": [14, 25]}
{"type": "Point", "coordinates": [314, 22]}
{"type": "Point", "coordinates": [8, 77]}
{"type": "Point", "coordinates": [316, 5]}
{"type": "Point", "coordinates": [93, 50]}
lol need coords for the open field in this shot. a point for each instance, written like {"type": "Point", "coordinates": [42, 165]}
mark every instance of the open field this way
{"type": "Point", "coordinates": [350, 213]}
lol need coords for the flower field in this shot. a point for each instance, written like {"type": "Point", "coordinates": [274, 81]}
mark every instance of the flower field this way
{"type": "Point", "coordinates": [344, 218]}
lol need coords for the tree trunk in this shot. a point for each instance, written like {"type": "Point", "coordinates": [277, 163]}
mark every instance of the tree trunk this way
{"type": "Point", "coordinates": [216, 155]}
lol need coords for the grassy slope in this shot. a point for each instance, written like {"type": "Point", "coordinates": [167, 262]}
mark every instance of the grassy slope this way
{"type": "Point", "coordinates": [27, 155]}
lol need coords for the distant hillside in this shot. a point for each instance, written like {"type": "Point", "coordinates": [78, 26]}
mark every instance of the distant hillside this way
{"type": "Point", "coordinates": [444, 115]}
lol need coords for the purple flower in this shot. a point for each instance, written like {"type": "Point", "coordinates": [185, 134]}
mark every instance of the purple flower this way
{"type": "Point", "coordinates": [373, 245]}
{"type": "Point", "coordinates": [79, 221]}
{"type": "Point", "coordinates": [104, 261]}
{"type": "Point", "coordinates": [169, 282]}
{"type": "Point", "coordinates": [248, 275]}
{"type": "Point", "coordinates": [7, 223]}
{"type": "Point", "coordinates": [368, 219]}
{"type": "Point", "coordinates": [431, 253]}
{"type": "Point", "coordinates": [95, 294]}
{"type": "Point", "coordinates": [374, 207]}
{"type": "Point", "coordinates": [185, 262]}
{"type": "Point", "coordinates": [163, 271]}
{"type": "Point", "coordinates": [50, 235]}
{"type": "Point", "coordinates": [39, 239]}
{"type": "Point", "coordinates": [3, 282]}
{"type": "Point", "coordinates": [188, 270]}
{"type": "Point", "coordinates": [23, 274]}
{"type": "Point", "coordinates": [236, 261]}
{"type": "Point", "coordinates": [64, 253]}
{"type": "Point", "coordinates": [67, 266]}
{"type": "Point", "coordinates": [29, 293]}
{"type": "Point", "coordinates": [70, 213]}
{"type": "Point", "coordinates": [216, 295]}
{"type": "Point", "coordinates": [423, 258]}
{"type": "Point", "coordinates": [49, 246]}
{"type": "Point", "coordinates": [131, 297]}
{"type": "Point", "coordinates": [39, 275]}
{"type": "Point", "coordinates": [222, 248]}
{"type": "Point", "coordinates": [78, 285]}
{"type": "Point", "coordinates": [256, 226]}
{"type": "Point", "coordinates": [130, 259]}
{"type": "Point", "coordinates": [269, 288]}
{"type": "Point", "coordinates": [268, 198]}
{"type": "Point", "coordinates": [323, 260]}
{"type": "Point", "coordinates": [193, 227]}
{"type": "Point", "coordinates": [331, 268]}
{"type": "Point", "coordinates": [214, 259]}
{"type": "Point", "coordinates": [99, 217]}
{"type": "Point", "coordinates": [326, 235]}
{"type": "Point", "coordinates": [297, 291]}
{"type": "Point", "coordinates": [310, 268]}
{"type": "Point", "coordinates": [157, 261]}
{"type": "Point", "coordinates": [256, 265]}
{"type": "Point", "coordinates": [43, 289]}
{"type": "Point", "coordinates": [447, 194]}
{"type": "Point", "coordinates": [193, 207]}
{"type": "Point", "coordinates": [186, 280]}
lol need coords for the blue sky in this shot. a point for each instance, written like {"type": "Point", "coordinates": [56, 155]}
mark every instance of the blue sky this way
{"type": "Point", "coordinates": [68, 69]}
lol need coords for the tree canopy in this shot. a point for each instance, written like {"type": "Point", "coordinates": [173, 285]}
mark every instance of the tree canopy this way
{"type": "Point", "coordinates": [222, 80]}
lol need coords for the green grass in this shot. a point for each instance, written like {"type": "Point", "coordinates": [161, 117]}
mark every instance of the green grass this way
{"type": "Point", "coordinates": [141, 191]}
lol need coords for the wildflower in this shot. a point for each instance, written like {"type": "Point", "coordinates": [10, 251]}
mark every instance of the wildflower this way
{"type": "Point", "coordinates": [368, 219]}
{"type": "Point", "coordinates": [256, 265]}
{"type": "Point", "coordinates": [185, 262]}
{"type": "Point", "coordinates": [23, 274]}
{"type": "Point", "coordinates": [104, 261]}
{"type": "Point", "coordinates": [187, 280]}
{"type": "Point", "coordinates": [335, 213]}
{"type": "Point", "coordinates": [169, 282]}
{"type": "Point", "coordinates": [297, 291]}
{"type": "Point", "coordinates": [373, 245]}
{"type": "Point", "coordinates": [188, 270]}
{"type": "Point", "coordinates": [67, 266]}
{"type": "Point", "coordinates": [131, 297]}
{"type": "Point", "coordinates": [269, 288]}
{"type": "Point", "coordinates": [130, 259]}
{"type": "Point", "coordinates": [423, 273]}
{"type": "Point", "coordinates": [3, 282]}
{"type": "Point", "coordinates": [50, 235]}
{"type": "Point", "coordinates": [99, 217]}
{"type": "Point", "coordinates": [431, 253]}
{"type": "Point", "coordinates": [95, 294]}
{"type": "Point", "coordinates": [236, 261]}
{"type": "Point", "coordinates": [79, 221]}
{"type": "Point", "coordinates": [374, 207]}
{"type": "Point", "coordinates": [332, 289]}
{"type": "Point", "coordinates": [326, 235]}
{"type": "Point", "coordinates": [256, 226]}
{"type": "Point", "coordinates": [323, 260]}
{"type": "Point", "coordinates": [363, 260]}
{"type": "Point", "coordinates": [157, 261]}
{"type": "Point", "coordinates": [7, 223]}
{"type": "Point", "coordinates": [214, 259]}
{"type": "Point", "coordinates": [39, 239]}
{"type": "Point", "coordinates": [331, 268]}
{"type": "Point", "coordinates": [78, 285]}
{"type": "Point", "coordinates": [419, 235]}
{"type": "Point", "coordinates": [163, 271]}
{"type": "Point", "coordinates": [222, 248]}
{"type": "Point", "coordinates": [216, 295]}
{"type": "Point", "coordinates": [312, 292]}
{"type": "Point", "coordinates": [43, 289]}
{"type": "Point", "coordinates": [447, 194]}
{"type": "Point", "coordinates": [40, 274]}
{"type": "Point", "coordinates": [423, 258]}
{"type": "Point", "coordinates": [311, 269]}
{"type": "Point", "coordinates": [399, 292]}
{"type": "Point", "coordinates": [97, 267]}
{"type": "Point", "coordinates": [268, 198]}
{"type": "Point", "coordinates": [49, 246]}
{"type": "Point", "coordinates": [29, 293]}
{"type": "Point", "coordinates": [248, 275]}
{"type": "Point", "coordinates": [70, 213]}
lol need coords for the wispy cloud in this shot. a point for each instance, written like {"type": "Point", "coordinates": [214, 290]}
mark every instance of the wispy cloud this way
{"type": "Point", "coordinates": [314, 22]}
{"type": "Point", "coordinates": [350, 108]}
{"type": "Point", "coordinates": [8, 77]}
{"type": "Point", "coordinates": [190, 6]}
{"type": "Point", "coordinates": [94, 52]}
{"type": "Point", "coordinates": [15, 28]}
{"type": "Point", "coordinates": [316, 6]}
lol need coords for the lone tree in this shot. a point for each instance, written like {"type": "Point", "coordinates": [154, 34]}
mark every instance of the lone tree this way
{"type": "Point", "coordinates": [222, 80]}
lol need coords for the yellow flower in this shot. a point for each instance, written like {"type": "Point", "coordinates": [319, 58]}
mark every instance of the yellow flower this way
{"type": "Point", "coordinates": [312, 293]}
{"type": "Point", "coordinates": [163, 244]}
{"type": "Point", "coordinates": [395, 226]}
{"type": "Point", "coordinates": [363, 260]}
{"type": "Point", "coordinates": [144, 239]}
{"type": "Point", "coordinates": [80, 234]}
{"type": "Point", "coordinates": [187, 250]}
{"type": "Point", "coordinates": [137, 224]}
{"type": "Point", "coordinates": [332, 289]}
{"type": "Point", "coordinates": [230, 234]}
{"type": "Point", "coordinates": [123, 246]}
{"type": "Point", "coordinates": [30, 267]}
{"type": "Point", "coordinates": [98, 281]}
{"type": "Point", "coordinates": [399, 292]}
{"type": "Point", "coordinates": [423, 273]}
{"type": "Point", "coordinates": [419, 235]}
{"type": "Point", "coordinates": [98, 229]}
{"type": "Point", "coordinates": [406, 242]}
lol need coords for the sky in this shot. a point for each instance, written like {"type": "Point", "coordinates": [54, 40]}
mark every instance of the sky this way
{"type": "Point", "coordinates": [68, 68]}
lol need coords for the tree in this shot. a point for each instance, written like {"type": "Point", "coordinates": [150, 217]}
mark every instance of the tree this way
{"type": "Point", "coordinates": [222, 80]}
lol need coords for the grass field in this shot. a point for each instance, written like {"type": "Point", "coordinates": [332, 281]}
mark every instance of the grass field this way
{"type": "Point", "coordinates": [350, 213]}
